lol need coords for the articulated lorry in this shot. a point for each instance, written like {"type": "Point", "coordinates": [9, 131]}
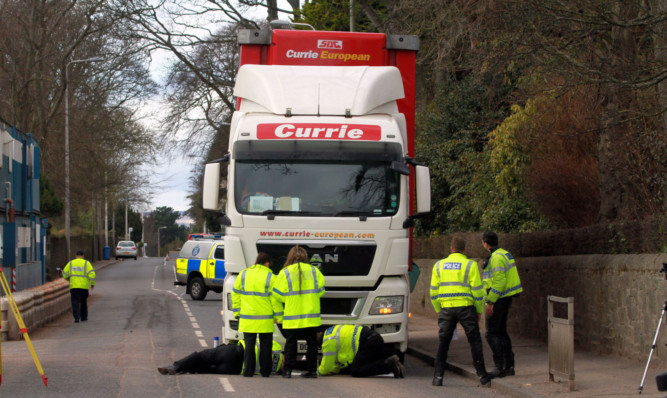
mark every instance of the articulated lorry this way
{"type": "Point", "coordinates": [321, 155]}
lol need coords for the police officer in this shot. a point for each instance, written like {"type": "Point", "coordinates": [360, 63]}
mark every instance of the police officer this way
{"type": "Point", "coordinates": [457, 294]}
{"type": "Point", "coordinates": [81, 277]}
{"type": "Point", "coordinates": [501, 282]}
{"type": "Point", "coordinates": [359, 348]}
{"type": "Point", "coordinates": [298, 289]}
{"type": "Point", "coordinates": [251, 303]}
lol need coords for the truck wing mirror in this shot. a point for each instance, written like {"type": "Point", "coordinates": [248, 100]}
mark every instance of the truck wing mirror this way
{"type": "Point", "coordinates": [211, 188]}
{"type": "Point", "coordinates": [423, 189]}
{"type": "Point", "coordinates": [400, 168]}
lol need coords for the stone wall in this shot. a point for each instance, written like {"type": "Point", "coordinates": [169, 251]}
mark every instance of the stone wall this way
{"type": "Point", "coordinates": [37, 307]}
{"type": "Point", "coordinates": [618, 300]}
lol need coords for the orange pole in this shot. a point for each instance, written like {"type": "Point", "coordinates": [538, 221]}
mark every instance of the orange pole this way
{"type": "Point", "coordinates": [19, 320]}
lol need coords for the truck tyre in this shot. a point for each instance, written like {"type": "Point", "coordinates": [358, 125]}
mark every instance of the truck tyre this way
{"type": "Point", "coordinates": [197, 288]}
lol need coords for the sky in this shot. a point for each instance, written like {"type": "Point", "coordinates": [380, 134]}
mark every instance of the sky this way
{"type": "Point", "coordinates": [173, 172]}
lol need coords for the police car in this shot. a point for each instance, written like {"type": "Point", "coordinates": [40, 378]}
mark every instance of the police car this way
{"type": "Point", "coordinates": [201, 267]}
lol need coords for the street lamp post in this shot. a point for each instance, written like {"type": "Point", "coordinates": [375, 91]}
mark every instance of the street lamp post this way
{"type": "Point", "coordinates": [67, 201]}
{"type": "Point", "coordinates": [158, 240]}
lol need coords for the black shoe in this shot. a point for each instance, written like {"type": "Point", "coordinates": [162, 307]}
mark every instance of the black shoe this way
{"type": "Point", "coordinates": [247, 374]}
{"type": "Point", "coordinates": [437, 381]}
{"type": "Point", "coordinates": [396, 366]}
{"type": "Point", "coordinates": [508, 371]}
{"type": "Point", "coordinates": [485, 378]}
{"type": "Point", "coordinates": [287, 374]}
{"type": "Point", "coordinates": [84, 320]}
{"type": "Point", "coordinates": [76, 321]}
{"type": "Point", "coordinates": [497, 373]}
{"type": "Point", "coordinates": [265, 375]}
{"type": "Point", "coordinates": [171, 370]}
{"type": "Point", "coordinates": [309, 375]}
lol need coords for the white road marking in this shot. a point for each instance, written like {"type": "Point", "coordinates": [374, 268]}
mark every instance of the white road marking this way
{"type": "Point", "coordinates": [226, 385]}
{"type": "Point", "coordinates": [193, 320]}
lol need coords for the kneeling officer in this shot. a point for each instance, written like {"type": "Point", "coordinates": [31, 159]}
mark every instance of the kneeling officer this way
{"type": "Point", "coordinates": [359, 348]}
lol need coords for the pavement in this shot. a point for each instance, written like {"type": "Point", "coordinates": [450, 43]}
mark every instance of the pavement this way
{"type": "Point", "coordinates": [594, 375]}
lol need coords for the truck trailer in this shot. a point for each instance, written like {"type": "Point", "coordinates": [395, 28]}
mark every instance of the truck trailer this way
{"type": "Point", "coordinates": [321, 155]}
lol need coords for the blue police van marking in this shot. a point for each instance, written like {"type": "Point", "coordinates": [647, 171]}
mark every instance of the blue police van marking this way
{"type": "Point", "coordinates": [195, 251]}
{"type": "Point", "coordinates": [193, 265]}
{"type": "Point", "coordinates": [220, 269]}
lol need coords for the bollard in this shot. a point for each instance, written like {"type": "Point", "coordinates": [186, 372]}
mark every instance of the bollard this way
{"type": "Point", "coordinates": [561, 341]}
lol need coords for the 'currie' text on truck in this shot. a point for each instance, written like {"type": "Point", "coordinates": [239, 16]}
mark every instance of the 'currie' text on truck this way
{"type": "Point", "coordinates": [321, 155]}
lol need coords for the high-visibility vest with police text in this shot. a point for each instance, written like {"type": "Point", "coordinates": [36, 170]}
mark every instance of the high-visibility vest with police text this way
{"type": "Point", "coordinates": [79, 273]}
{"type": "Point", "coordinates": [455, 282]}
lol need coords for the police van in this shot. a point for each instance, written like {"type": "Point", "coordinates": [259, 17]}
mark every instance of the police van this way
{"type": "Point", "coordinates": [201, 267]}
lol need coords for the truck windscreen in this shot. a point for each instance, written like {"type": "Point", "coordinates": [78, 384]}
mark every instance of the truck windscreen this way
{"type": "Point", "coordinates": [326, 188]}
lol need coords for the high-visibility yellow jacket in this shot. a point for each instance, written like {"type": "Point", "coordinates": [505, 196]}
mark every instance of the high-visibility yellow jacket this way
{"type": "Point", "coordinates": [339, 346]}
{"type": "Point", "coordinates": [278, 358]}
{"type": "Point", "coordinates": [455, 282]}
{"type": "Point", "coordinates": [251, 299]}
{"type": "Point", "coordinates": [298, 289]}
{"type": "Point", "coordinates": [501, 277]}
{"type": "Point", "coordinates": [79, 273]}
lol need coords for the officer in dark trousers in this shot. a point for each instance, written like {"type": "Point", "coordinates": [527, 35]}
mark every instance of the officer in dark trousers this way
{"type": "Point", "coordinates": [81, 277]}
{"type": "Point", "coordinates": [501, 282]}
{"type": "Point", "coordinates": [457, 295]}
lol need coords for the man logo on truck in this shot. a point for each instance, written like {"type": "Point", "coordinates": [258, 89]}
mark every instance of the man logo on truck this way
{"type": "Point", "coordinates": [316, 259]}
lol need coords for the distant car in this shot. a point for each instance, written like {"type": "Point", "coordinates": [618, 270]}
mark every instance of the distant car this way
{"type": "Point", "coordinates": [126, 249]}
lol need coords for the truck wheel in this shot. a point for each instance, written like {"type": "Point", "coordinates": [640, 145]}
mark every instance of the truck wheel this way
{"type": "Point", "coordinates": [197, 288]}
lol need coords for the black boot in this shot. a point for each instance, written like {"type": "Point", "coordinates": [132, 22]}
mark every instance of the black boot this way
{"type": "Point", "coordinates": [508, 370]}
{"type": "Point", "coordinates": [437, 377]}
{"type": "Point", "coordinates": [484, 376]}
{"type": "Point", "coordinates": [287, 374]}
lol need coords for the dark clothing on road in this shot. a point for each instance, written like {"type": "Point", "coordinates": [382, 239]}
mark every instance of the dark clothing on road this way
{"type": "Point", "coordinates": [371, 357]}
{"type": "Point", "coordinates": [224, 359]}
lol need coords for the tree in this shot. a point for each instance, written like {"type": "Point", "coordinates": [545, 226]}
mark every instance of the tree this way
{"type": "Point", "coordinates": [50, 204]}
{"type": "Point", "coordinates": [612, 49]}
{"type": "Point", "coordinates": [166, 217]}
{"type": "Point", "coordinates": [41, 40]}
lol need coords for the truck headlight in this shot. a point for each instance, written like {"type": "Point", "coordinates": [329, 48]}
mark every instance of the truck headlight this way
{"type": "Point", "coordinates": [229, 301]}
{"type": "Point", "coordinates": [386, 305]}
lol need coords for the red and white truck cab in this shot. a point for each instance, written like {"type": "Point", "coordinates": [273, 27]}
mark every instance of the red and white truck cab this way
{"type": "Point", "coordinates": [321, 155]}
